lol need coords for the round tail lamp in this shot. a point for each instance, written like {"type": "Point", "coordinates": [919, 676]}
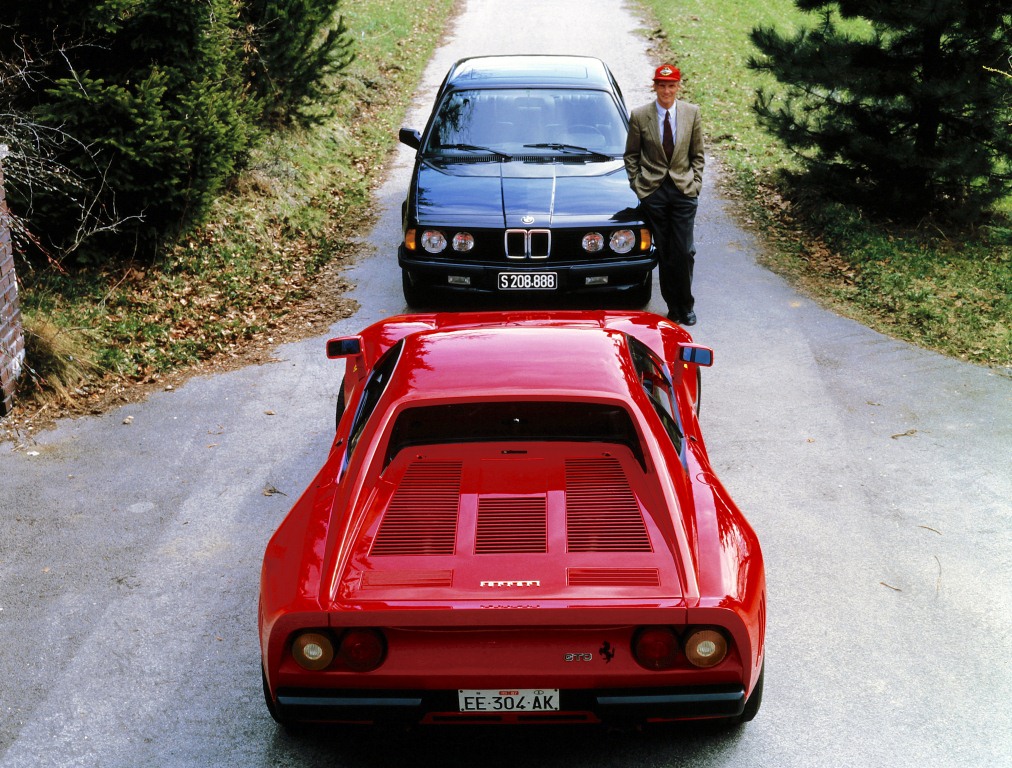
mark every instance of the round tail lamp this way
{"type": "Point", "coordinates": [655, 648]}
{"type": "Point", "coordinates": [313, 651]}
{"type": "Point", "coordinates": [362, 650]}
{"type": "Point", "coordinates": [705, 648]}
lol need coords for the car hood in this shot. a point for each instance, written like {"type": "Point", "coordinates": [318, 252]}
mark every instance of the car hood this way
{"type": "Point", "coordinates": [483, 525]}
{"type": "Point", "coordinates": [524, 194]}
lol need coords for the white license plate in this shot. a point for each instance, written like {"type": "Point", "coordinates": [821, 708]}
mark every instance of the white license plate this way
{"type": "Point", "coordinates": [517, 700]}
{"type": "Point", "coordinates": [528, 281]}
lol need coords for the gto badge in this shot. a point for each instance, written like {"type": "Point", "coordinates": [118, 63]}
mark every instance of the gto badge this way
{"type": "Point", "coordinates": [510, 584]}
{"type": "Point", "coordinates": [527, 219]}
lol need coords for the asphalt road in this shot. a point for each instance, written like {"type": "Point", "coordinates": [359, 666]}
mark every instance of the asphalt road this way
{"type": "Point", "coordinates": [877, 475]}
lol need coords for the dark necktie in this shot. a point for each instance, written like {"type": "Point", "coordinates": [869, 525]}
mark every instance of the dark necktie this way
{"type": "Point", "coordinates": [668, 142]}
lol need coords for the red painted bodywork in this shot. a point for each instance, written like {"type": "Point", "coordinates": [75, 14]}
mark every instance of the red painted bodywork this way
{"type": "Point", "coordinates": [490, 565]}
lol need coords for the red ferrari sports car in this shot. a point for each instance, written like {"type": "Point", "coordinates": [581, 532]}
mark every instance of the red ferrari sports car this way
{"type": "Point", "coordinates": [517, 523]}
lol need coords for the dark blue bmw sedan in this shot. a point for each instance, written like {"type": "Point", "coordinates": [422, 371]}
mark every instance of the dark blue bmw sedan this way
{"type": "Point", "coordinates": [519, 186]}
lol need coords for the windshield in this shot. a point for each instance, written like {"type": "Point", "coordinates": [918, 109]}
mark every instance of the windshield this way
{"type": "Point", "coordinates": [527, 121]}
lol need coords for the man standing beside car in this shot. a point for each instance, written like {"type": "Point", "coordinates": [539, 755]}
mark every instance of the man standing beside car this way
{"type": "Point", "coordinates": [664, 162]}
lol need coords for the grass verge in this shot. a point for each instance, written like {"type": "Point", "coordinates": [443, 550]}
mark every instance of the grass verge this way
{"type": "Point", "coordinates": [266, 268]}
{"type": "Point", "coordinates": [950, 291]}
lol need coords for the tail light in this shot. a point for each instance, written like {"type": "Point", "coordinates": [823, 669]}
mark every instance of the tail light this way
{"type": "Point", "coordinates": [655, 648]}
{"type": "Point", "coordinates": [362, 650]}
{"type": "Point", "coordinates": [705, 648]}
{"type": "Point", "coordinates": [313, 651]}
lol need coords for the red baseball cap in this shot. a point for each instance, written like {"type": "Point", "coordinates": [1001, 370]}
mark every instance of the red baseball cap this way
{"type": "Point", "coordinates": [666, 73]}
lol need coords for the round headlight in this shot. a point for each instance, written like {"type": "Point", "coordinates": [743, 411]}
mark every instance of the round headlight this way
{"type": "Point", "coordinates": [463, 241]}
{"type": "Point", "coordinates": [655, 648]}
{"type": "Point", "coordinates": [433, 241]}
{"type": "Point", "coordinates": [622, 240]}
{"type": "Point", "coordinates": [705, 648]}
{"type": "Point", "coordinates": [593, 242]}
{"type": "Point", "coordinates": [313, 651]}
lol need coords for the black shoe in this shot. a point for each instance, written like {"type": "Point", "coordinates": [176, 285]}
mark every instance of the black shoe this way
{"type": "Point", "coordinates": [689, 318]}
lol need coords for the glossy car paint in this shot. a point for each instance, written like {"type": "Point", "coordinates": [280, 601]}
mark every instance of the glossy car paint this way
{"type": "Point", "coordinates": [568, 193]}
{"type": "Point", "coordinates": [526, 605]}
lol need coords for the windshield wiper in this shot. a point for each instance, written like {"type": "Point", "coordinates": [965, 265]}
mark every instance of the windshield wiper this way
{"type": "Point", "coordinates": [570, 148]}
{"type": "Point", "coordinates": [475, 148]}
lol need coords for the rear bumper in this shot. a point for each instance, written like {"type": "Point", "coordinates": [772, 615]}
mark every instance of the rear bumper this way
{"type": "Point", "coordinates": [484, 278]}
{"type": "Point", "coordinates": [623, 707]}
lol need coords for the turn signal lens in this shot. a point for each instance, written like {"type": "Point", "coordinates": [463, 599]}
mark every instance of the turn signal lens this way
{"type": "Point", "coordinates": [622, 240]}
{"type": "Point", "coordinates": [313, 651]}
{"type": "Point", "coordinates": [705, 648]}
{"type": "Point", "coordinates": [410, 241]}
{"type": "Point", "coordinates": [645, 240]}
{"type": "Point", "coordinates": [655, 648]}
{"type": "Point", "coordinates": [362, 650]}
{"type": "Point", "coordinates": [433, 241]}
{"type": "Point", "coordinates": [593, 242]}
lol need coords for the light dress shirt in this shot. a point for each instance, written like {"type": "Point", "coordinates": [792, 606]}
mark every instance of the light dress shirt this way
{"type": "Point", "coordinates": [660, 120]}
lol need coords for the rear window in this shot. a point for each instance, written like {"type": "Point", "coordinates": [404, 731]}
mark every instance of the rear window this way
{"type": "Point", "coordinates": [513, 422]}
{"type": "Point", "coordinates": [508, 119]}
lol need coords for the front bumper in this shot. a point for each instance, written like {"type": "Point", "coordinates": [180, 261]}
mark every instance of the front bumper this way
{"type": "Point", "coordinates": [483, 278]}
{"type": "Point", "coordinates": [413, 707]}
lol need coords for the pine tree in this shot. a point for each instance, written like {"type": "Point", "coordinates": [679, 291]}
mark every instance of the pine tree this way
{"type": "Point", "coordinates": [153, 114]}
{"type": "Point", "coordinates": [297, 49]}
{"type": "Point", "coordinates": [908, 118]}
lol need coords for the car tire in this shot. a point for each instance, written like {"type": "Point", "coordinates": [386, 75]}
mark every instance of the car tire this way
{"type": "Point", "coordinates": [754, 701]}
{"type": "Point", "coordinates": [412, 294]}
{"type": "Point", "coordinates": [272, 706]}
{"type": "Point", "coordinates": [292, 727]}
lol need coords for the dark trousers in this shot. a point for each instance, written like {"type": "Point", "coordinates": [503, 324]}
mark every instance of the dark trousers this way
{"type": "Point", "coordinates": [672, 218]}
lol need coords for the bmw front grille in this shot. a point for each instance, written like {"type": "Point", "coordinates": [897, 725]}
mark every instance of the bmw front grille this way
{"type": "Point", "coordinates": [528, 243]}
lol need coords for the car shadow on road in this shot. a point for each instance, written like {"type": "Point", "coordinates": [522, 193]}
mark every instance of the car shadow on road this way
{"type": "Point", "coordinates": [697, 744]}
{"type": "Point", "coordinates": [494, 303]}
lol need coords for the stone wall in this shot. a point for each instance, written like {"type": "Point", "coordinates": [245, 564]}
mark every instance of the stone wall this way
{"type": "Point", "coordinates": [12, 339]}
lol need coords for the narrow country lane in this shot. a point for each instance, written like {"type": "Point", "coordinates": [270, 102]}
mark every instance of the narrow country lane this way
{"type": "Point", "coordinates": [877, 475]}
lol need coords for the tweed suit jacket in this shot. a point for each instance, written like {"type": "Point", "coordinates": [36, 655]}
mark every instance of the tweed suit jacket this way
{"type": "Point", "coordinates": [645, 162]}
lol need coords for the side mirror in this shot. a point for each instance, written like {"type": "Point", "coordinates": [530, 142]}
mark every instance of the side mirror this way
{"type": "Point", "coordinates": [410, 136]}
{"type": "Point", "coordinates": [344, 346]}
{"type": "Point", "coordinates": [695, 353]}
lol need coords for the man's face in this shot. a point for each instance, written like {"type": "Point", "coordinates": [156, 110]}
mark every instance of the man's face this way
{"type": "Point", "coordinates": [666, 91]}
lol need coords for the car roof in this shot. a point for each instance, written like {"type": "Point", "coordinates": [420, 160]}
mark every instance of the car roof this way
{"type": "Point", "coordinates": [527, 362]}
{"type": "Point", "coordinates": [541, 70]}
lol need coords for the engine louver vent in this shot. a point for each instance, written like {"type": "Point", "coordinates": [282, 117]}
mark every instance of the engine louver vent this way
{"type": "Point", "coordinates": [512, 524]}
{"type": "Point", "coordinates": [613, 577]}
{"type": "Point", "coordinates": [381, 579]}
{"type": "Point", "coordinates": [422, 516]}
{"type": "Point", "coordinates": [602, 514]}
